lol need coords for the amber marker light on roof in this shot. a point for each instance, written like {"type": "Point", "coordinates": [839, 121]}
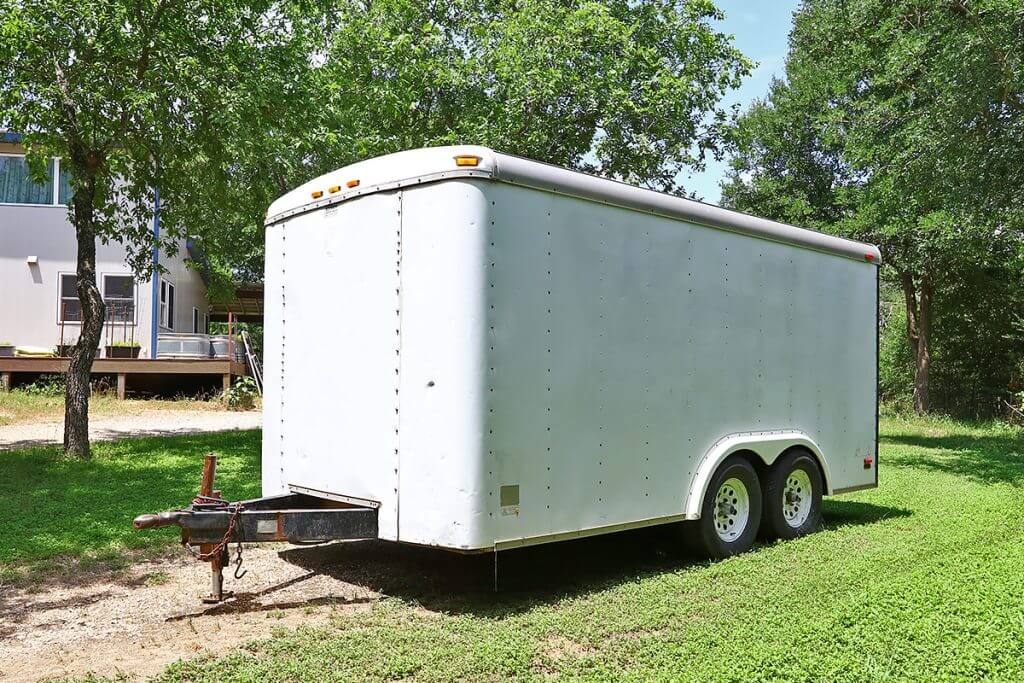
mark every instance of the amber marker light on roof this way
{"type": "Point", "coordinates": [317, 194]}
{"type": "Point", "coordinates": [352, 183]}
{"type": "Point", "coordinates": [467, 160]}
{"type": "Point", "coordinates": [333, 188]}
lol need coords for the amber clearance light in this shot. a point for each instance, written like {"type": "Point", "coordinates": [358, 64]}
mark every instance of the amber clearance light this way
{"type": "Point", "coordinates": [467, 160]}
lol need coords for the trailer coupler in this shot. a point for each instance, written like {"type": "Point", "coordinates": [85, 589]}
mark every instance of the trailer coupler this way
{"type": "Point", "coordinates": [210, 524]}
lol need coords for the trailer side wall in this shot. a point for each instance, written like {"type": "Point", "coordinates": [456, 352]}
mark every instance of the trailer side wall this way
{"type": "Point", "coordinates": [623, 345]}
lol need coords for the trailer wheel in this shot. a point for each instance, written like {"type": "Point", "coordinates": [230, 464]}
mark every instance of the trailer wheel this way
{"type": "Point", "coordinates": [792, 496]}
{"type": "Point", "coordinates": [731, 511]}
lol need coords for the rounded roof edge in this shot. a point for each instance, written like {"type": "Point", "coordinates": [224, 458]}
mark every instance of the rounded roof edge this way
{"type": "Point", "coordinates": [431, 164]}
{"type": "Point", "coordinates": [381, 173]}
{"type": "Point", "coordinates": [543, 176]}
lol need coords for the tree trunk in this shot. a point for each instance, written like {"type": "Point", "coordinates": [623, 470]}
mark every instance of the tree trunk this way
{"type": "Point", "coordinates": [922, 401]}
{"type": "Point", "coordinates": [919, 314]}
{"type": "Point", "coordinates": [76, 396]}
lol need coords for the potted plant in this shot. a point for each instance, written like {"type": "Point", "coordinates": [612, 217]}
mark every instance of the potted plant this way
{"type": "Point", "coordinates": [6, 349]}
{"type": "Point", "coordinates": [123, 349]}
{"type": "Point", "coordinates": [64, 350]}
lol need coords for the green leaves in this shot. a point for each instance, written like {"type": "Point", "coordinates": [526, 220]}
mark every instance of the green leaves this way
{"type": "Point", "coordinates": [901, 123]}
{"type": "Point", "coordinates": [227, 104]}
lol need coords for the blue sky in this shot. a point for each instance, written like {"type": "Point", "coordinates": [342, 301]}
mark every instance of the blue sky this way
{"type": "Point", "coordinates": [761, 29]}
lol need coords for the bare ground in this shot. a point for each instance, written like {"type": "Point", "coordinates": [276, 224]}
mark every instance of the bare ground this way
{"type": "Point", "coordinates": [131, 425]}
{"type": "Point", "coordinates": [137, 622]}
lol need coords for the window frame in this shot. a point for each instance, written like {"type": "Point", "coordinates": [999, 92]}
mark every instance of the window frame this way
{"type": "Point", "coordinates": [195, 320]}
{"type": "Point", "coordinates": [165, 318]}
{"type": "Point", "coordinates": [135, 298]}
{"type": "Point", "coordinates": [60, 291]}
{"type": "Point", "coordinates": [54, 181]}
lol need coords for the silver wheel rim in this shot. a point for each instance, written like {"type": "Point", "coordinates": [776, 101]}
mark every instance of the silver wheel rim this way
{"type": "Point", "coordinates": [732, 509]}
{"type": "Point", "coordinates": [797, 498]}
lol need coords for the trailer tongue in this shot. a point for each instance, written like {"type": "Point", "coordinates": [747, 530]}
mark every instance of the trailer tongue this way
{"type": "Point", "coordinates": [209, 524]}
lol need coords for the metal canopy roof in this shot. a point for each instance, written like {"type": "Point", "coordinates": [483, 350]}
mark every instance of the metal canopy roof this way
{"type": "Point", "coordinates": [246, 306]}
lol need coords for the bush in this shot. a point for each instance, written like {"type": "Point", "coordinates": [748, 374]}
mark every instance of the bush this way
{"type": "Point", "coordinates": [46, 385]}
{"type": "Point", "coordinates": [241, 396]}
{"type": "Point", "coordinates": [896, 363]}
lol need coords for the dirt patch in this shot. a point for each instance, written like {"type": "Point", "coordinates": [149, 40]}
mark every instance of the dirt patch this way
{"type": "Point", "coordinates": [137, 622]}
{"type": "Point", "coordinates": [558, 648]}
{"type": "Point", "coordinates": [131, 425]}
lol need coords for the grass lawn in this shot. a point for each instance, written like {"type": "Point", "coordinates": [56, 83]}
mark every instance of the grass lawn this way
{"type": "Point", "coordinates": [18, 407]}
{"type": "Point", "coordinates": [82, 510]}
{"type": "Point", "coordinates": [922, 578]}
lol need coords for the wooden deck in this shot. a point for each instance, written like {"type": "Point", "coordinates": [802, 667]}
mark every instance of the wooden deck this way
{"type": "Point", "coordinates": [124, 367]}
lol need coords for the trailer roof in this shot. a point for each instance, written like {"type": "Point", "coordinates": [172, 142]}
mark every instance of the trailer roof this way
{"type": "Point", "coordinates": [432, 164]}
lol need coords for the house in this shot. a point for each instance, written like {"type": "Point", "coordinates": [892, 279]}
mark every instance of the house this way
{"type": "Point", "coordinates": [39, 305]}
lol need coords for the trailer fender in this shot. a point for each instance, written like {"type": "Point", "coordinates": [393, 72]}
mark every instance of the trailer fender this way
{"type": "Point", "coordinates": [768, 445]}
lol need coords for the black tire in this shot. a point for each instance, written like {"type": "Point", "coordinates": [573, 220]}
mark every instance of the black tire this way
{"type": "Point", "coordinates": [704, 533]}
{"type": "Point", "coordinates": [775, 521]}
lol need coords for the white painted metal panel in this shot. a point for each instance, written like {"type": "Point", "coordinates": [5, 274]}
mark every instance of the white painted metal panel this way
{"type": "Point", "coordinates": [565, 364]}
{"type": "Point", "coordinates": [625, 345]}
{"type": "Point", "coordinates": [334, 380]}
{"type": "Point", "coordinates": [443, 499]}
{"type": "Point", "coordinates": [272, 464]}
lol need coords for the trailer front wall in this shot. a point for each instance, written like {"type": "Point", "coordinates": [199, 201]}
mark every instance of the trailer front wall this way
{"type": "Point", "coordinates": [622, 345]}
{"type": "Point", "coordinates": [331, 353]}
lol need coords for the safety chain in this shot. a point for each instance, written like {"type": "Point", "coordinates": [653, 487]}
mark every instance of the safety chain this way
{"type": "Point", "coordinates": [219, 548]}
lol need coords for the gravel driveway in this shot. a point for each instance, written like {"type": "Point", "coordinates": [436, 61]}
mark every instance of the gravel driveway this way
{"type": "Point", "coordinates": [150, 423]}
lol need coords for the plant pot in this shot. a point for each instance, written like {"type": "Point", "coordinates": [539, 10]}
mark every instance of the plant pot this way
{"type": "Point", "coordinates": [64, 351]}
{"type": "Point", "coordinates": [6, 351]}
{"type": "Point", "coordinates": [123, 351]}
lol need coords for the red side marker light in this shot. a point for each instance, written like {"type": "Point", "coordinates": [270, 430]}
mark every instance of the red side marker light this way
{"type": "Point", "coordinates": [868, 461]}
{"type": "Point", "coordinates": [869, 257]}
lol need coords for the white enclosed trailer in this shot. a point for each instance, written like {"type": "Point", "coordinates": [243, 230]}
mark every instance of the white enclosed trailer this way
{"type": "Point", "coordinates": [492, 352]}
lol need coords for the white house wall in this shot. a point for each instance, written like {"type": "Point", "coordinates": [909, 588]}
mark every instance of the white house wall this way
{"type": "Point", "coordinates": [29, 292]}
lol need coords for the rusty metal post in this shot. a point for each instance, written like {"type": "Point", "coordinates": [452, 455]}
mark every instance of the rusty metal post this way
{"type": "Point", "coordinates": [209, 472]}
{"type": "Point", "coordinates": [217, 577]}
{"type": "Point", "coordinates": [218, 562]}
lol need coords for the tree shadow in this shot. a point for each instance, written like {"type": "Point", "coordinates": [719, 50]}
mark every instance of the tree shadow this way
{"type": "Point", "coordinates": [450, 582]}
{"type": "Point", "coordinates": [838, 513]}
{"type": "Point", "coordinates": [988, 459]}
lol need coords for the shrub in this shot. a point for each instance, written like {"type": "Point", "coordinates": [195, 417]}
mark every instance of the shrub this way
{"type": "Point", "coordinates": [241, 396]}
{"type": "Point", "coordinates": [46, 385]}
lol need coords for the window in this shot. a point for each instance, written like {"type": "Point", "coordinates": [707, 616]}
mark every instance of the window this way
{"type": "Point", "coordinates": [69, 308]}
{"type": "Point", "coordinates": [119, 296]}
{"type": "Point", "coordinates": [63, 184]}
{"type": "Point", "coordinates": [195, 320]}
{"type": "Point", "coordinates": [167, 304]}
{"type": "Point", "coordinates": [17, 185]}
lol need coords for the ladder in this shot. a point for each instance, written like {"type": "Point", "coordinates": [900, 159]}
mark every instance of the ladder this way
{"type": "Point", "coordinates": [253, 362]}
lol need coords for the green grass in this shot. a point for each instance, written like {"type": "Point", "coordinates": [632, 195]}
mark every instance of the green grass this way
{"type": "Point", "coordinates": [58, 509]}
{"type": "Point", "coordinates": [920, 579]}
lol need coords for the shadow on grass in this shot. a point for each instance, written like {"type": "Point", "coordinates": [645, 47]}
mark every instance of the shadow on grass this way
{"type": "Point", "coordinates": [70, 521]}
{"type": "Point", "coordinates": [987, 459]}
{"type": "Point", "coordinates": [451, 582]}
{"type": "Point", "coordinates": [66, 510]}
{"type": "Point", "coordinates": [839, 513]}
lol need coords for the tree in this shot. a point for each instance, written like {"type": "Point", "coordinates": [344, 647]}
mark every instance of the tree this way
{"type": "Point", "coordinates": [901, 123]}
{"type": "Point", "coordinates": [226, 104]}
{"type": "Point", "coordinates": [613, 87]}
{"type": "Point", "coordinates": [119, 90]}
